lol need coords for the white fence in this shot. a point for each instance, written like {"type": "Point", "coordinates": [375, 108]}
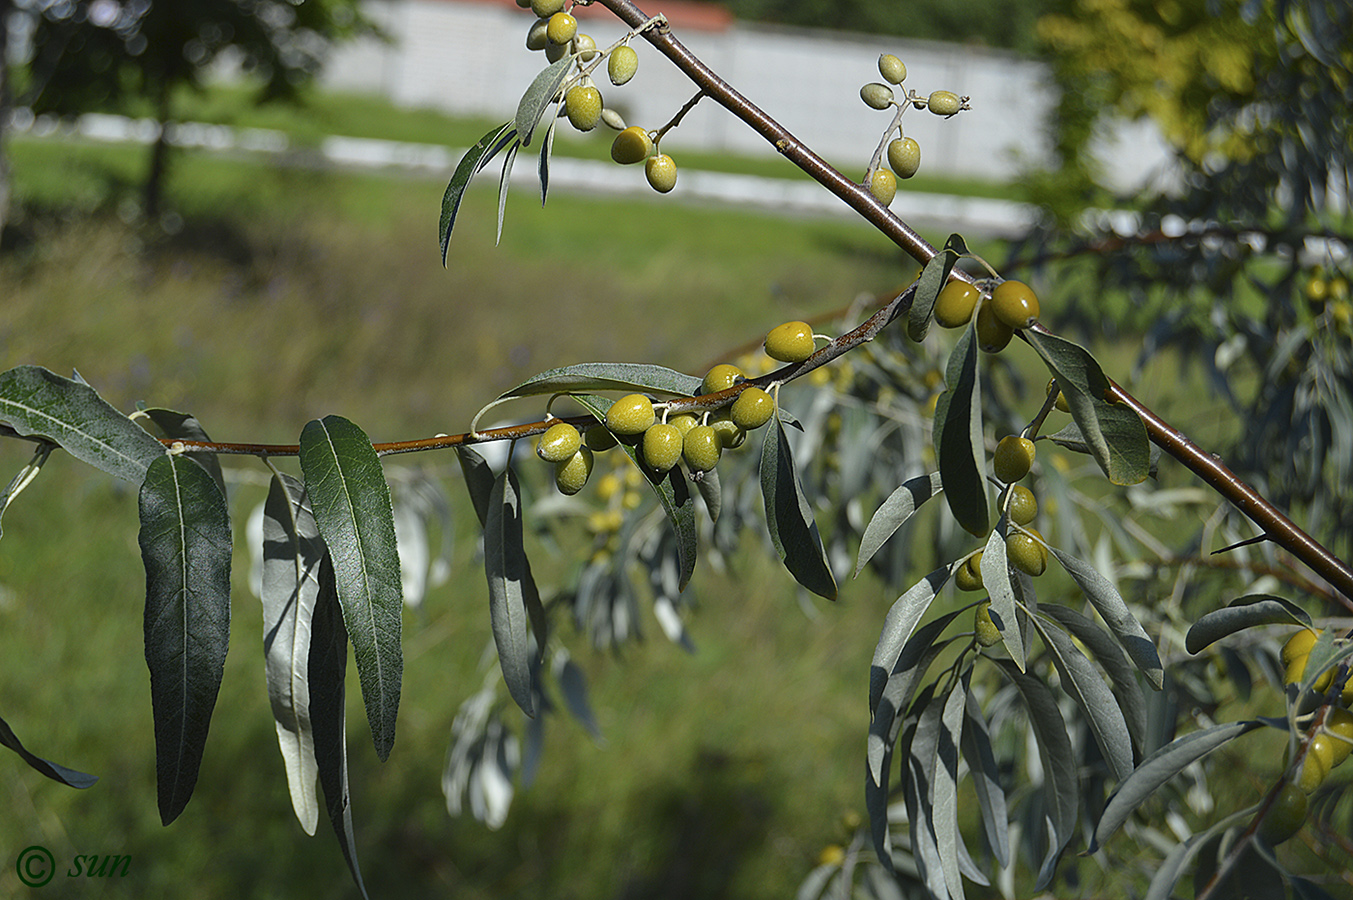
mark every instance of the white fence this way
{"type": "Point", "coordinates": [469, 57]}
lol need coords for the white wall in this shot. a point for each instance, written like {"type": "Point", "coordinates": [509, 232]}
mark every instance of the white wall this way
{"type": "Point", "coordinates": [471, 58]}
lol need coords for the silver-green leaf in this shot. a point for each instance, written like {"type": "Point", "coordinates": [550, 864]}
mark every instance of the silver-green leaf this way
{"type": "Point", "coordinates": [185, 545]}
{"type": "Point", "coordinates": [351, 504]}
{"type": "Point", "coordinates": [538, 97]}
{"type": "Point", "coordinates": [928, 286]}
{"type": "Point", "coordinates": [475, 159]}
{"type": "Point", "coordinates": [1241, 613]}
{"type": "Point", "coordinates": [1106, 600]}
{"type": "Point", "coordinates": [894, 512]}
{"type": "Point", "coordinates": [36, 402]}
{"type": "Point", "coordinates": [505, 565]}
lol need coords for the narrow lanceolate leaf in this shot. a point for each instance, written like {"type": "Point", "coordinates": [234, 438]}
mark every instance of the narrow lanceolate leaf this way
{"type": "Point", "coordinates": [1241, 613]}
{"type": "Point", "coordinates": [327, 667]}
{"type": "Point", "coordinates": [898, 625]}
{"type": "Point", "coordinates": [894, 512]}
{"type": "Point", "coordinates": [986, 782]}
{"type": "Point", "coordinates": [944, 787]}
{"type": "Point", "coordinates": [1061, 783]}
{"type": "Point", "coordinates": [920, 796]}
{"type": "Point", "coordinates": [1126, 691]}
{"type": "Point", "coordinates": [183, 427]}
{"type": "Point", "coordinates": [539, 96]}
{"type": "Point", "coordinates": [1106, 600]}
{"type": "Point", "coordinates": [712, 491]}
{"type": "Point", "coordinates": [932, 279]}
{"type": "Point", "coordinates": [673, 493]}
{"type": "Point", "coordinates": [25, 475]}
{"type": "Point", "coordinates": [546, 149]}
{"type": "Point", "coordinates": [351, 505]}
{"type": "Point", "coordinates": [607, 376]}
{"type": "Point", "coordinates": [475, 159]}
{"type": "Point", "coordinates": [958, 437]}
{"type": "Point", "coordinates": [54, 771]}
{"type": "Point", "coordinates": [292, 552]}
{"type": "Point", "coordinates": [1115, 434]}
{"type": "Point", "coordinates": [1159, 768]}
{"type": "Point", "coordinates": [505, 565]}
{"type": "Point", "coordinates": [996, 578]}
{"type": "Point", "coordinates": [793, 531]}
{"type": "Point", "coordinates": [185, 546]}
{"type": "Point", "coordinates": [503, 180]}
{"type": "Point", "coordinates": [36, 402]}
{"type": "Point", "coordinates": [1080, 680]}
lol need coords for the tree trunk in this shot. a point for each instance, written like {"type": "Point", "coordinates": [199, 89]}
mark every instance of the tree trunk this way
{"type": "Point", "coordinates": [6, 105]}
{"type": "Point", "coordinates": [159, 154]}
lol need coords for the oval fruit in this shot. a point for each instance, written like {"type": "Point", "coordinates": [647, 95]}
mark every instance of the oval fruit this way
{"type": "Point", "coordinates": [631, 146]}
{"type": "Point", "coordinates": [883, 185]}
{"type": "Point", "coordinates": [562, 28]}
{"type": "Point", "coordinates": [1015, 304]}
{"type": "Point", "coordinates": [752, 409]}
{"type": "Point", "coordinates": [944, 103]}
{"type": "Point", "coordinates": [631, 414]}
{"type": "Point", "coordinates": [721, 378]}
{"type": "Point", "coordinates": [583, 107]}
{"type": "Point", "coordinates": [1286, 816]}
{"type": "Point", "coordinates": [559, 442]}
{"type": "Point", "coordinates": [571, 474]}
{"type": "Point", "coordinates": [904, 156]}
{"type": "Point", "coordinates": [701, 448]}
{"type": "Point", "coordinates": [892, 69]}
{"type": "Point", "coordinates": [791, 342]}
{"type": "Point", "coordinates": [661, 172]}
{"type": "Point", "coordinates": [954, 305]}
{"type": "Point", "coordinates": [1023, 506]}
{"type": "Point", "coordinates": [877, 96]}
{"type": "Point", "coordinates": [662, 446]}
{"type": "Point", "coordinates": [1025, 553]}
{"type": "Point", "coordinates": [622, 64]}
{"type": "Point", "coordinates": [992, 334]}
{"type": "Point", "coordinates": [1013, 458]}
{"type": "Point", "coordinates": [988, 635]}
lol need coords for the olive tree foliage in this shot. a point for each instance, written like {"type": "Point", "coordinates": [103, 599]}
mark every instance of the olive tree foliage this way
{"type": "Point", "coordinates": [134, 55]}
{"type": "Point", "coordinates": [1038, 733]}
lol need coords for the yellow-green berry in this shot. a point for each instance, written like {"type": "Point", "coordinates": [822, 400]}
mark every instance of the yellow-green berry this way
{"type": "Point", "coordinates": [878, 96]}
{"type": "Point", "coordinates": [701, 448]}
{"type": "Point", "coordinates": [892, 69]}
{"type": "Point", "coordinates": [1299, 644]}
{"type": "Point", "coordinates": [883, 185]}
{"type": "Point", "coordinates": [537, 37]}
{"type": "Point", "coordinates": [904, 155]}
{"type": "Point", "coordinates": [583, 106]}
{"type": "Point", "coordinates": [944, 103]}
{"type": "Point", "coordinates": [1285, 816]}
{"type": "Point", "coordinates": [1015, 304]}
{"type": "Point", "coordinates": [1023, 506]}
{"type": "Point", "coordinates": [752, 409]}
{"type": "Point", "coordinates": [560, 441]}
{"type": "Point", "coordinates": [730, 435]}
{"type": "Point", "coordinates": [1013, 458]}
{"type": "Point", "coordinates": [988, 635]}
{"type": "Point", "coordinates": [631, 146]}
{"type": "Point", "coordinates": [1339, 724]}
{"type": "Point", "coordinates": [791, 342]}
{"type": "Point", "coordinates": [721, 378]}
{"type": "Point", "coordinates": [571, 474]}
{"type": "Point", "coordinates": [562, 28]}
{"type": "Point", "coordinates": [1060, 402]}
{"type": "Point", "coordinates": [662, 447]}
{"type": "Point", "coordinates": [661, 172]}
{"type": "Point", "coordinates": [631, 414]}
{"type": "Point", "coordinates": [955, 303]}
{"type": "Point", "coordinates": [546, 8]}
{"type": "Point", "coordinates": [1025, 551]}
{"type": "Point", "coordinates": [992, 334]}
{"type": "Point", "coordinates": [622, 64]}
{"type": "Point", "coordinates": [968, 577]}
{"type": "Point", "coordinates": [598, 438]}
{"type": "Point", "coordinates": [683, 423]}
{"type": "Point", "coordinates": [586, 46]}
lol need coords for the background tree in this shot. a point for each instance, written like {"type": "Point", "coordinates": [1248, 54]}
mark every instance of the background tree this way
{"type": "Point", "coordinates": [107, 55]}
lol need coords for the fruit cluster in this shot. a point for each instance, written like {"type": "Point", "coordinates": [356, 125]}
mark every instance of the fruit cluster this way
{"type": "Point", "coordinates": [661, 441]}
{"type": "Point", "coordinates": [1328, 293]}
{"type": "Point", "coordinates": [904, 153]}
{"type": "Point", "coordinates": [555, 31]}
{"type": "Point", "coordinates": [1012, 305]}
{"type": "Point", "coordinates": [1325, 749]}
{"type": "Point", "coordinates": [1024, 546]}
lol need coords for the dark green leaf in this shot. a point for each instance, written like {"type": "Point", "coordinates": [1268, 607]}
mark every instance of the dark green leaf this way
{"type": "Point", "coordinates": [351, 504]}
{"type": "Point", "coordinates": [793, 531]}
{"type": "Point", "coordinates": [326, 670]}
{"type": "Point", "coordinates": [25, 476]}
{"type": "Point", "coordinates": [1070, 438]}
{"type": "Point", "coordinates": [475, 159]}
{"type": "Point", "coordinates": [1061, 782]}
{"type": "Point", "coordinates": [505, 564]}
{"type": "Point", "coordinates": [608, 376]}
{"type": "Point", "coordinates": [1122, 623]}
{"type": "Point", "coordinates": [36, 402]}
{"type": "Point", "coordinates": [1082, 683]}
{"type": "Point", "coordinates": [185, 546]}
{"type": "Point", "coordinates": [179, 426]}
{"type": "Point", "coordinates": [503, 181]}
{"type": "Point", "coordinates": [1115, 434]}
{"type": "Point", "coordinates": [54, 771]}
{"type": "Point", "coordinates": [292, 553]}
{"type": "Point", "coordinates": [1126, 690]}
{"type": "Point", "coordinates": [1159, 768]}
{"type": "Point", "coordinates": [538, 97]}
{"type": "Point", "coordinates": [932, 279]}
{"type": "Point", "coordinates": [573, 684]}
{"type": "Point", "coordinates": [894, 511]}
{"type": "Point", "coordinates": [1241, 613]}
{"type": "Point", "coordinates": [986, 782]}
{"type": "Point", "coordinates": [479, 479]}
{"type": "Point", "coordinates": [546, 149]}
{"type": "Point", "coordinates": [673, 493]}
{"type": "Point", "coordinates": [958, 438]}
{"type": "Point", "coordinates": [712, 491]}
